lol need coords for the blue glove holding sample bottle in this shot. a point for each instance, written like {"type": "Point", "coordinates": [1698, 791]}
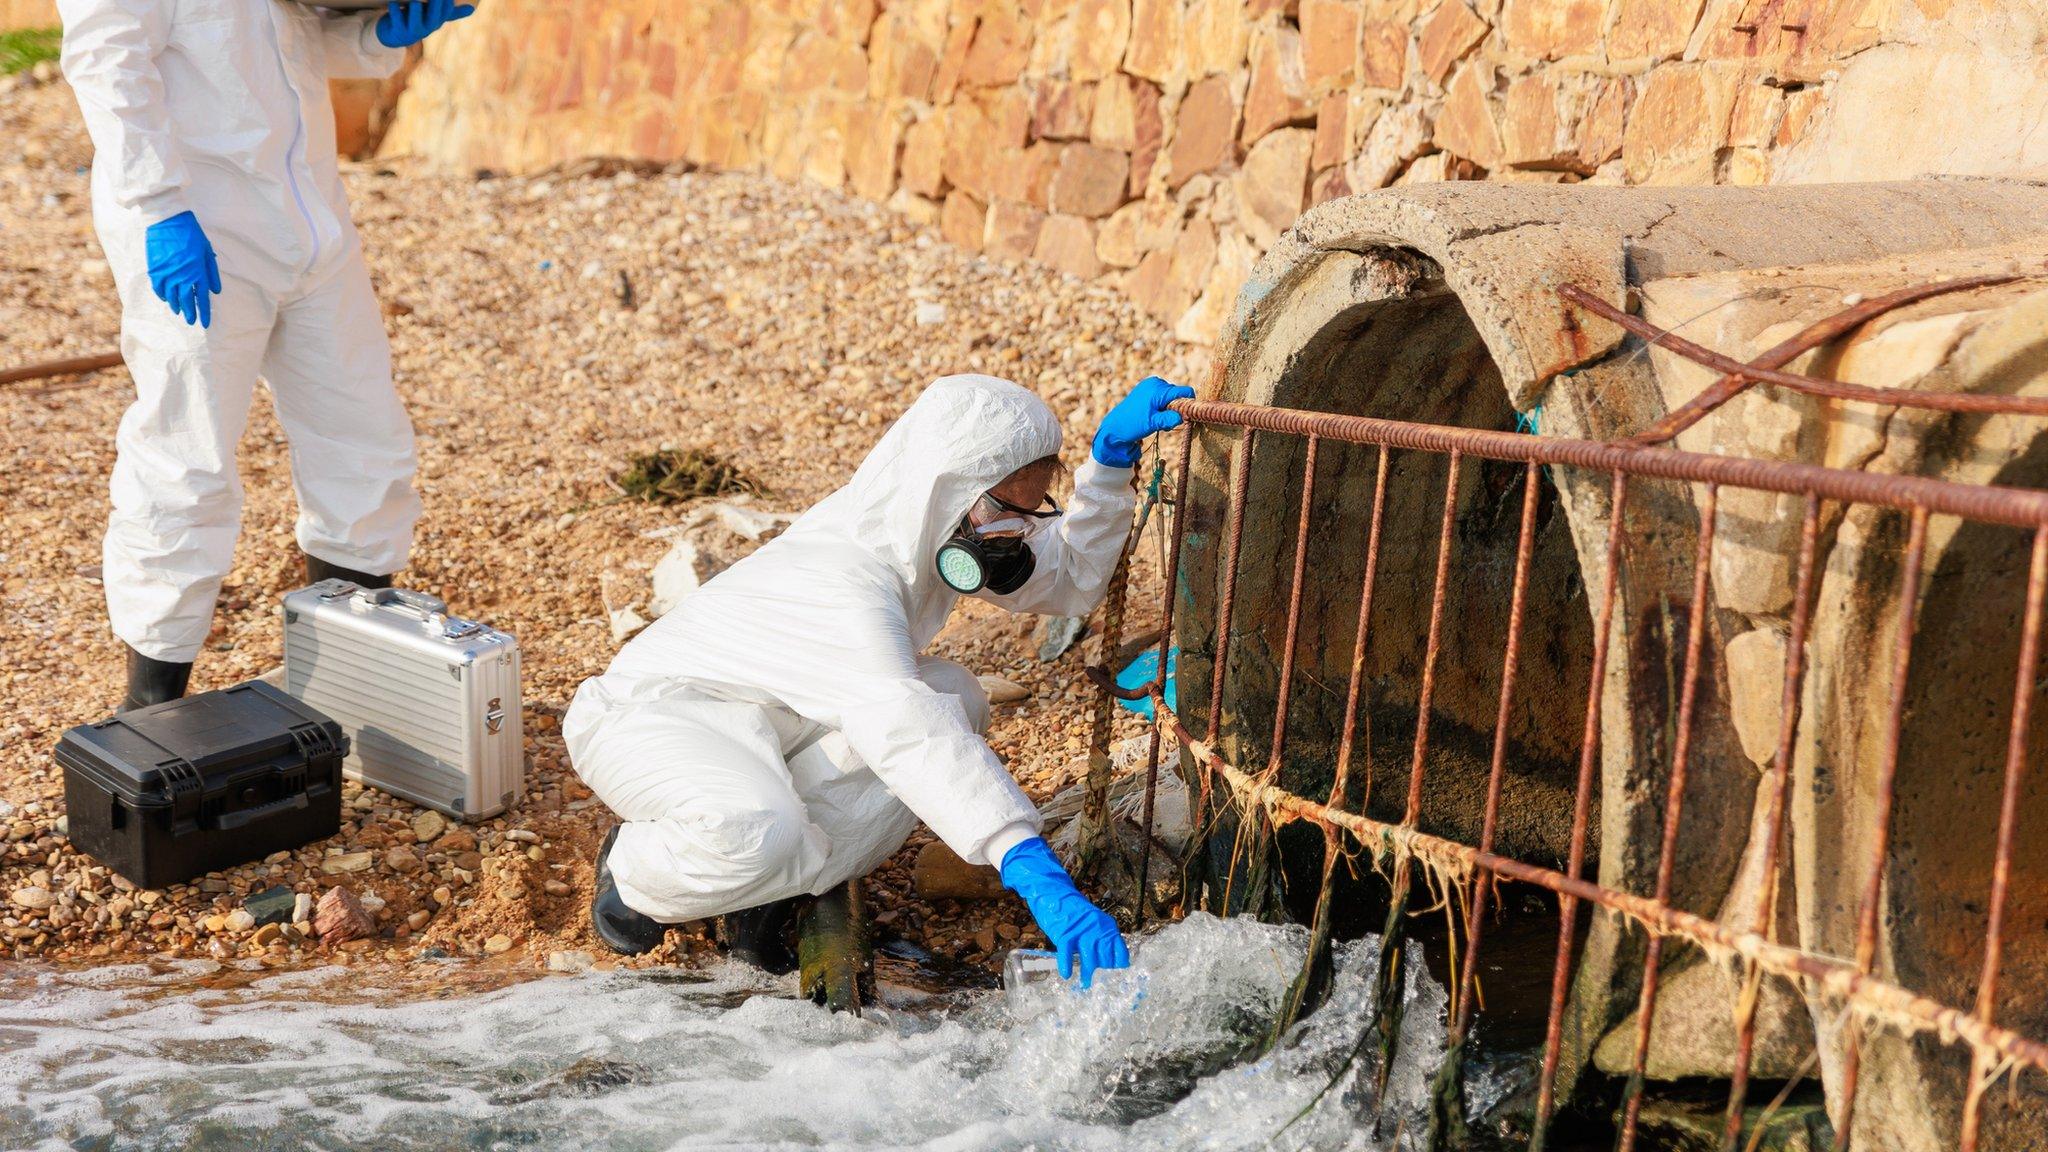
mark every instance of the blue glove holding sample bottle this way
{"type": "Point", "coordinates": [1076, 927]}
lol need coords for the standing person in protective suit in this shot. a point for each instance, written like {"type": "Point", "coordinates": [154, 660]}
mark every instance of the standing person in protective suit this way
{"type": "Point", "coordinates": [214, 174]}
{"type": "Point", "coordinates": [782, 731]}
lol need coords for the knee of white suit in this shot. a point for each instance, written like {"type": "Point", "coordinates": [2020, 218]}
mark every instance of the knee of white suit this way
{"type": "Point", "coordinates": [696, 864]}
{"type": "Point", "coordinates": [945, 676]}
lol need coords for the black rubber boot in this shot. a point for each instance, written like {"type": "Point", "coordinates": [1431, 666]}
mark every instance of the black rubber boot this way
{"type": "Point", "coordinates": [623, 930]}
{"type": "Point", "coordinates": [318, 570]}
{"type": "Point", "coordinates": [760, 936]}
{"type": "Point", "coordinates": [153, 681]}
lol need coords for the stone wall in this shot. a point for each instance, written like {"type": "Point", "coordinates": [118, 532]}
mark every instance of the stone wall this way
{"type": "Point", "coordinates": [1163, 144]}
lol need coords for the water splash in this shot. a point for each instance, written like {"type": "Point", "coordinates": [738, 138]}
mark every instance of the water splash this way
{"type": "Point", "coordinates": [1154, 1058]}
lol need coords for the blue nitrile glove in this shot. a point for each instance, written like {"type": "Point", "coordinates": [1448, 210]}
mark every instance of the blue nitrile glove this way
{"type": "Point", "coordinates": [182, 270]}
{"type": "Point", "coordinates": [1072, 923]}
{"type": "Point", "coordinates": [1135, 417]}
{"type": "Point", "coordinates": [408, 23]}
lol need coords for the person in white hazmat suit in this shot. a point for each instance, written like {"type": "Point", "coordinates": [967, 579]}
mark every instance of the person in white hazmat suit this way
{"type": "Point", "coordinates": [214, 174]}
{"type": "Point", "coordinates": [782, 731]}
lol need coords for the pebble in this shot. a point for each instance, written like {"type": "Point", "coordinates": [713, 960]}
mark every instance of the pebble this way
{"type": "Point", "coordinates": [272, 905]}
{"type": "Point", "coordinates": [498, 943]}
{"type": "Point", "coordinates": [267, 935]}
{"type": "Point", "coordinates": [240, 921]}
{"type": "Point", "coordinates": [1002, 690]}
{"type": "Point", "coordinates": [418, 920]}
{"type": "Point", "coordinates": [556, 888]}
{"type": "Point", "coordinates": [523, 836]}
{"type": "Point", "coordinates": [302, 908]}
{"type": "Point", "coordinates": [403, 859]}
{"type": "Point", "coordinates": [33, 898]}
{"type": "Point", "coordinates": [570, 961]}
{"type": "Point", "coordinates": [341, 917]}
{"type": "Point", "coordinates": [347, 862]}
{"type": "Point", "coordinates": [428, 826]}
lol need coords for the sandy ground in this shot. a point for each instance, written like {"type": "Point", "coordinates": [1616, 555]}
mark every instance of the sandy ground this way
{"type": "Point", "coordinates": [775, 325]}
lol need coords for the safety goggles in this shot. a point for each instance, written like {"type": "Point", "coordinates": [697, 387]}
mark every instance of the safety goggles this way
{"type": "Point", "coordinates": [991, 515]}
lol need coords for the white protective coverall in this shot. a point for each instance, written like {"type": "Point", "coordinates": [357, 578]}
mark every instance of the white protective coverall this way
{"type": "Point", "coordinates": [780, 731]}
{"type": "Point", "coordinates": [220, 108]}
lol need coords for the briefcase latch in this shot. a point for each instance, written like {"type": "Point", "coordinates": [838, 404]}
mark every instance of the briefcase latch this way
{"type": "Point", "coordinates": [494, 716]}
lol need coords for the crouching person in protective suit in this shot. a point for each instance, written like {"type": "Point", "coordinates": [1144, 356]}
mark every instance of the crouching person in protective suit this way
{"type": "Point", "coordinates": [782, 731]}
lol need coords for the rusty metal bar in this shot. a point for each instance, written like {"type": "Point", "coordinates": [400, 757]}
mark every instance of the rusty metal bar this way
{"type": "Point", "coordinates": [1991, 503]}
{"type": "Point", "coordinates": [1448, 1118]}
{"type": "Point", "coordinates": [70, 366]}
{"type": "Point", "coordinates": [1834, 977]}
{"type": "Point", "coordinates": [1887, 785]}
{"type": "Point", "coordinates": [1170, 579]}
{"type": "Point", "coordinates": [1285, 695]}
{"type": "Point", "coordinates": [1094, 841]}
{"type": "Point", "coordinates": [2016, 744]}
{"type": "Point", "coordinates": [1674, 805]}
{"type": "Point", "coordinates": [1780, 784]}
{"type": "Point", "coordinates": [1809, 385]}
{"type": "Point", "coordinates": [1340, 788]}
{"type": "Point", "coordinates": [1815, 335]}
{"type": "Point", "coordinates": [1589, 756]}
{"type": "Point", "coordinates": [1310, 987]}
{"type": "Point", "coordinates": [1434, 645]}
{"type": "Point", "coordinates": [1240, 484]}
{"type": "Point", "coordinates": [1393, 955]}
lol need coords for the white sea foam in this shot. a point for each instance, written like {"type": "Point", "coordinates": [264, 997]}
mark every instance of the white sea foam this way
{"type": "Point", "coordinates": [1158, 1057]}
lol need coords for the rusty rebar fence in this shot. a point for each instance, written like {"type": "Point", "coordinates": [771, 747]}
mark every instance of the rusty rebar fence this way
{"type": "Point", "coordinates": [1869, 998]}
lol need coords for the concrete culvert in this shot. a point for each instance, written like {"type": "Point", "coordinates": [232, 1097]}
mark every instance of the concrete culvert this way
{"type": "Point", "coordinates": [1440, 305]}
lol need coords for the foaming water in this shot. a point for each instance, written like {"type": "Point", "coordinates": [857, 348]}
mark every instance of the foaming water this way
{"type": "Point", "coordinates": [1154, 1058]}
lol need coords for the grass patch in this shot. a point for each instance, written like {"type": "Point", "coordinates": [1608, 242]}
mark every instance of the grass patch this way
{"type": "Point", "coordinates": [669, 476]}
{"type": "Point", "coordinates": [24, 48]}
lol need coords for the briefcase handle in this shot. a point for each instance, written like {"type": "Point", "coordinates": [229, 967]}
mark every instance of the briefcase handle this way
{"type": "Point", "coordinates": [432, 610]}
{"type": "Point", "coordinates": [424, 605]}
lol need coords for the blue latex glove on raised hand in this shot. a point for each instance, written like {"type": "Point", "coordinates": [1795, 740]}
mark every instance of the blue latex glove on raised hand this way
{"type": "Point", "coordinates": [1135, 417]}
{"type": "Point", "coordinates": [1075, 926]}
{"type": "Point", "coordinates": [407, 24]}
{"type": "Point", "coordinates": [182, 270]}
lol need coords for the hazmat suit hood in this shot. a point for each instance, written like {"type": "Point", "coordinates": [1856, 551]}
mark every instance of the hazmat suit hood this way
{"type": "Point", "coordinates": [960, 438]}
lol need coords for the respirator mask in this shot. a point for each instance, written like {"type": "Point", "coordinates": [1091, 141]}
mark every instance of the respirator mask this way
{"type": "Point", "coordinates": [992, 546]}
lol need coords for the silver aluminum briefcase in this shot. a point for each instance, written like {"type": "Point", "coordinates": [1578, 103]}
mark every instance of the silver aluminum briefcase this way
{"type": "Point", "coordinates": [430, 701]}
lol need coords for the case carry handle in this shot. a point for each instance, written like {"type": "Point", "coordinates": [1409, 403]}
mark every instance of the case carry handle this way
{"type": "Point", "coordinates": [420, 604]}
{"type": "Point", "coordinates": [229, 821]}
{"type": "Point", "coordinates": [431, 610]}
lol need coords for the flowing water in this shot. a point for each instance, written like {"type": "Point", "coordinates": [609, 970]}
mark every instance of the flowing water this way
{"type": "Point", "coordinates": [1159, 1057]}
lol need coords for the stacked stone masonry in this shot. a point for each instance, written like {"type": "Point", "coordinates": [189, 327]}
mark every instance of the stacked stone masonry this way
{"type": "Point", "coordinates": [1161, 145]}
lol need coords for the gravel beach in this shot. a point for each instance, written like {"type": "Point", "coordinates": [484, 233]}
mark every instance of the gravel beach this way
{"type": "Point", "coordinates": [545, 330]}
